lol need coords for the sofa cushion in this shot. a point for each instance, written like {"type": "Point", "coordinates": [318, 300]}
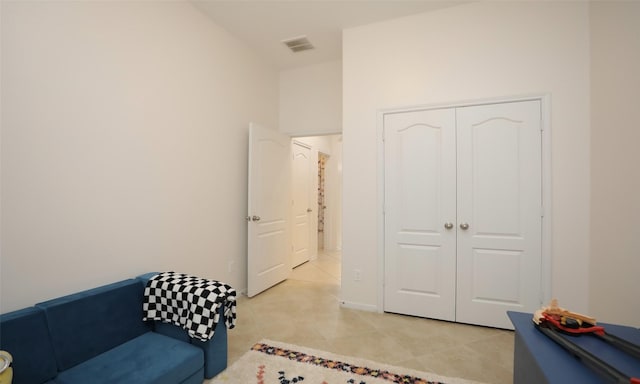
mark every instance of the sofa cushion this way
{"type": "Point", "coordinates": [151, 358]}
{"type": "Point", "coordinates": [24, 334]}
{"type": "Point", "coordinates": [86, 324]}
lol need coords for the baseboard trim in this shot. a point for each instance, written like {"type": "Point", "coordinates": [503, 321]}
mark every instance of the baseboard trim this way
{"type": "Point", "coordinates": [359, 306]}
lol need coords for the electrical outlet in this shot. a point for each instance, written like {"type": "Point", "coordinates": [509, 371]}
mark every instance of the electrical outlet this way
{"type": "Point", "coordinates": [357, 275]}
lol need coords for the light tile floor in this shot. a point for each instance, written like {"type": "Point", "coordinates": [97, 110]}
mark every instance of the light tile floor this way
{"type": "Point", "coordinates": [305, 310]}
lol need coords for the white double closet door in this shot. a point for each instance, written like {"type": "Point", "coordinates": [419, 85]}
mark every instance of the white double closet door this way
{"type": "Point", "coordinates": [462, 212]}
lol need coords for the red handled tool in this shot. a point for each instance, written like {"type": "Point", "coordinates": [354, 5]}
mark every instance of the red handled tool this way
{"type": "Point", "coordinates": [553, 320]}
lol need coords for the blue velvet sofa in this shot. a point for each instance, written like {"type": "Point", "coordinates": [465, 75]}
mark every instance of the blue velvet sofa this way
{"type": "Point", "coordinates": [98, 336]}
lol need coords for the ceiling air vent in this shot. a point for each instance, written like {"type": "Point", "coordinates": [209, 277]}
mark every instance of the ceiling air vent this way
{"type": "Point", "coordinates": [298, 44]}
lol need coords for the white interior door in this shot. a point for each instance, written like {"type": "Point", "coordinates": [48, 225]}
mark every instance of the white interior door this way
{"type": "Point", "coordinates": [269, 202]}
{"type": "Point", "coordinates": [420, 213]}
{"type": "Point", "coordinates": [302, 206]}
{"type": "Point", "coordinates": [462, 214]}
{"type": "Point", "coordinates": [499, 211]}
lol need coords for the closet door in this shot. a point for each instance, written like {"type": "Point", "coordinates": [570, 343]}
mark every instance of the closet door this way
{"type": "Point", "coordinates": [499, 211]}
{"type": "Point", "coordinates": [420, 212]}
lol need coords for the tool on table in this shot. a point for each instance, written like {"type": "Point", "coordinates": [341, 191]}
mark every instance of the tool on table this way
{"type": "Point", "coordinates": [553, 320]}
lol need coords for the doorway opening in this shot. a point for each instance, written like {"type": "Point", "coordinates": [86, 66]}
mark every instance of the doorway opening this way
{"type": "Point", "coordinates": [325, 201]}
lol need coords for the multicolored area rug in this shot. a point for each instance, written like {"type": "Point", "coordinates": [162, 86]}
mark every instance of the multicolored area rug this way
{"type": "Point", "coordinates": [270, 362]}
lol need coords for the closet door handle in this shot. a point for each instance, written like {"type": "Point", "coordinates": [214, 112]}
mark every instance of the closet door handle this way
{"type": "Point", "coordinates": [448, 225]}
{"type": "Point", "coordinates": [464, 226]}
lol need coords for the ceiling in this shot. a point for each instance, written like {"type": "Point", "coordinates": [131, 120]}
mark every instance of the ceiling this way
{"type": "Point", "coordinates": [263, 24]}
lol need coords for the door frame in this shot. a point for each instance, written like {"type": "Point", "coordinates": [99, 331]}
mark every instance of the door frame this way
{"type": "Point", "coordinates": [545, 124]}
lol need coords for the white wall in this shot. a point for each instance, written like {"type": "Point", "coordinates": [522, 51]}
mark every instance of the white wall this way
{"type": "Point", "coordinates": [319, 143]}
{"type": "Point", "coordinates": [473, 51]}
{"type": "Point", "coordinates": [311, 99]}
{"type": "Point", "coordinates": [615, 179]}
{"type": "Point", "coordinates": [124, 145]}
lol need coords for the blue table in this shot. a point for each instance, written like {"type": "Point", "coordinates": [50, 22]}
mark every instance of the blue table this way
{"type": "Point", "coordinates": [539, 359]}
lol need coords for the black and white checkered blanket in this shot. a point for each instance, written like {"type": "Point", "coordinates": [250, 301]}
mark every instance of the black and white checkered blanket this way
{"type": "Point", "coordinates": [189, 302]}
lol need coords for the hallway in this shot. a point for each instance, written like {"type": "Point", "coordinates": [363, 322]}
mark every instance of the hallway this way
{"type": "Point", "coordinates": [326, 268]}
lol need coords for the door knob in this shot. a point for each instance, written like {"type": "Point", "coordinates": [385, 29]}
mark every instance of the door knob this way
{"type": "Point", "coordinates": [309, 210]}
{"type": "Point", "coordinates": [464, 226]}
{"type": "Point", "coordinates": [255, 218]}
{"type": "Point", "coordinates": [448, 225]}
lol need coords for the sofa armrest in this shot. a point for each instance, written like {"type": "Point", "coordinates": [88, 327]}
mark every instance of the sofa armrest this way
{"type": "Point", "coordinates": [215, 349]}
{"type": "Point", "coordinates": [25, 334]}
